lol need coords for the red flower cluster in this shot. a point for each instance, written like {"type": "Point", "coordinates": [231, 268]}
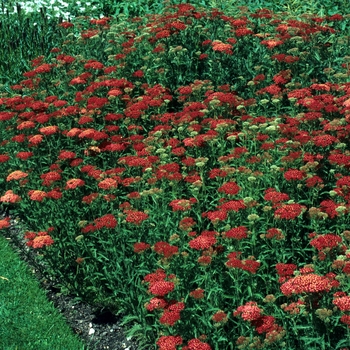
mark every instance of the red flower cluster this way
{"type": "Point", "coordinates": [263, 324]}
{"type": "Point", "coordinates": [250, 265]}
{"type": "Point", "coordinates": [230, 188]}
{"type": "Point", "coordinates": [74, 183]}
{"type": "Point", "coordinates": [10, 197]}
{"type": "Point", "coordinates": [249, 311]}
{"type": "Point", "coordinates": [204, 241]}
{"type": "Point", "coordinates": [293, 308]}
{"type": "Point", "coordinates": [326, 242]}
{"type": "Point", "coordinates": [135, 217]}
{"type": "Point", "coordinates": [140, 247]}
{"type": "Point", "coordinates": [187, 223]}
{"type": "Point", "coordinates": [16, 175]}
{"type": "Point", "coordinates": [294, 175]}
{"type": "Point", "coordinates": [50, 177]}
{"type": "Point", "coordinates": [161, 288]}
{"type": "Point", "coordinates": [169, 342]}
{"type": "Point", "coordinates": [40, 239]}
{"type": "Point", "coordinates": [275, 197]}
{"type": "Point", "coordinates": [197, 293]}
{"type": "Point", "coordinates": [171, 313]}
{"type": "Point", "coordinates": [165, 249]}
{"type": "Point", "coordinates": [285, 271]}
{"type": "Point", "coordinates": [220, 317]}
{"type": "Point", "coordinates": [37, 195]}
{"type": "Point", "coordinates": [289, 211]}
{"type": "Point", "coordinates": [309, 283]}
{"type": "Point", "coordinates": [343, 303]}
{"type": "Point", "coordinates": [182, 204]}
{"type": "Point", "coordinates": [4, 223]}
{"type": "Point", "coordinates": [196, 344]}
{"type": "Point", "coordinates": [238, 233]}
{"type": "Point", "coordinates": [107, 221]}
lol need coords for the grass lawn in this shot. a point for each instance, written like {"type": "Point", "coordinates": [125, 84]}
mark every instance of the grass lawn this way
{"type": "Point", "coordinates": [28, 320]}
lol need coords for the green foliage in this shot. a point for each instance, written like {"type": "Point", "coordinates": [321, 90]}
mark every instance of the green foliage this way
{"type": "Point", "coordinates": [190, 114]}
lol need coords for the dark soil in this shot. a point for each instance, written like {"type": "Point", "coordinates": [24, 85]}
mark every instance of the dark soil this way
{"type": "Point", "coordinates": [98, 329]}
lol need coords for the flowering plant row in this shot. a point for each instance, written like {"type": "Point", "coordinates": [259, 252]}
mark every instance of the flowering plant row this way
{"type": "Point", "coordinates": [191, 170]}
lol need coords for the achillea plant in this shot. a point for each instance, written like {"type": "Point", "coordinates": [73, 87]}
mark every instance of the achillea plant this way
{"type": "Point", "coordinates": [194, 167]}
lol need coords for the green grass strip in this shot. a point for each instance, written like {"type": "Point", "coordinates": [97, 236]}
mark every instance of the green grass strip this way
{"type": "Point", "coordinates": [28, 319]}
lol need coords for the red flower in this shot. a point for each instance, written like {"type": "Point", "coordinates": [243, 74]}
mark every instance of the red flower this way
{"type": "Point", "coordinates": [204, 241]}
{"type": "Point", "coordinates": [216, 216]}
{"type": "Point", "coordinates": [136, 217]}
{"type": "Point", "coordinates": [196, 344]}
{"type": "Point", "coordinates": [289, 211]}
{"type": "Point", "coordinates": [140, 247]}
{"type": "Point", "coordinates": [108, 183]}
{"type": "Point", "coordinates": [159, 275]}
{"type": "Point", "coordinates": [238, 233]}
{"type": "Point", "coordinates": [328, 206]}
{"type": "Point", "coordinates": [182, 204]}
{"type": "Point", "coordinates": [285, 270]}
{"type": "Point", "coordinates": [4, 158]}
{"type": "Point", "coordinates": [92, 64]}
{"type": "Point", "coordinates": [37, 195]}
{"type": "Point", "coordinates": [169, 342]}
{"type": "Point", "coordinates": [74, 183]}
{"type": "Point", "coordinates": [42, 241]}
{"type": "Point", "coordinates": [49, 130]}
{"type": "Point", "coordinates": [108, 221]}
{"type": "Point", "coordinates": [293, 175]}
{"type": "Point", "coordinates": [230, 188]}
{"type": "Point", "coordinates": [197, 293]}
{"type": "Point", "coordinates": [22, 155]}
{"type": "Point", "coordinates": [264, 324]}
{"type": "Point", "coordinates": [314, 181]}
{"type": "Point", "coordinates": [26, 125]}
{"type": "Point", "coordinates": [50, 177]}
{"type": "Point", "coordinates": [310, 283]}
{"type": "Point", "coordinates": [345, 319]}
{"type": "Point", "coordinates": [270, 44]}
{"type": "Point", "coordinates": [165, 249]}
{"type": "Point", "coordinates": [343, 303]}
{"type": "Point", "coordinates": [161, 288]}
{"type": "Point", "coordinates": [326, 241]}
{"type": "Point", "coordinates": [250, 265]}
{"type": "Point", "coordinates": [66, 25]}
{"type": "Point", "coordinates": [220, 317]}
{"type": "Point", "coordinates": [4, 223]}
{"type": "Point", "coordinates": [156, 304]}
{"type": "Point", "coordinates": [274, 233]}
{"type": "Point", "coordinates": [204, 260]}
{"type": "Point", "coordinates": [221, 47]}
{"type": "Point", "coordinates": [243, 32]}
{"type": "Point", "coordinates": [35, 140]}
{"type": "Point", "coordinates": [293, 308]}
{"type": "Point", "coordinates": [66, 155]}
{"type": "Point", "coordinates": [10, 197]}
{"type": "Point", "coordinates": [169, 318]}
{"type": "Point", "coordinates": [96, 102]}
{"type": "Point", "coordinates": [249, 311]}
{"type": "Point", "coordinates": [324, 140]}
{"type": "Point", "coordinates": [233, 205]}
{"type": "Point", "coordinates": [187, 224]}
{"type": "Point", "coordinates": [138, 74]}
{"type": "Point", "coordinates": [163, 34]}
{"type": "Point", "coordinates": [16, 175]}
{"type": "Point", "coordinates": [178, 25]}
